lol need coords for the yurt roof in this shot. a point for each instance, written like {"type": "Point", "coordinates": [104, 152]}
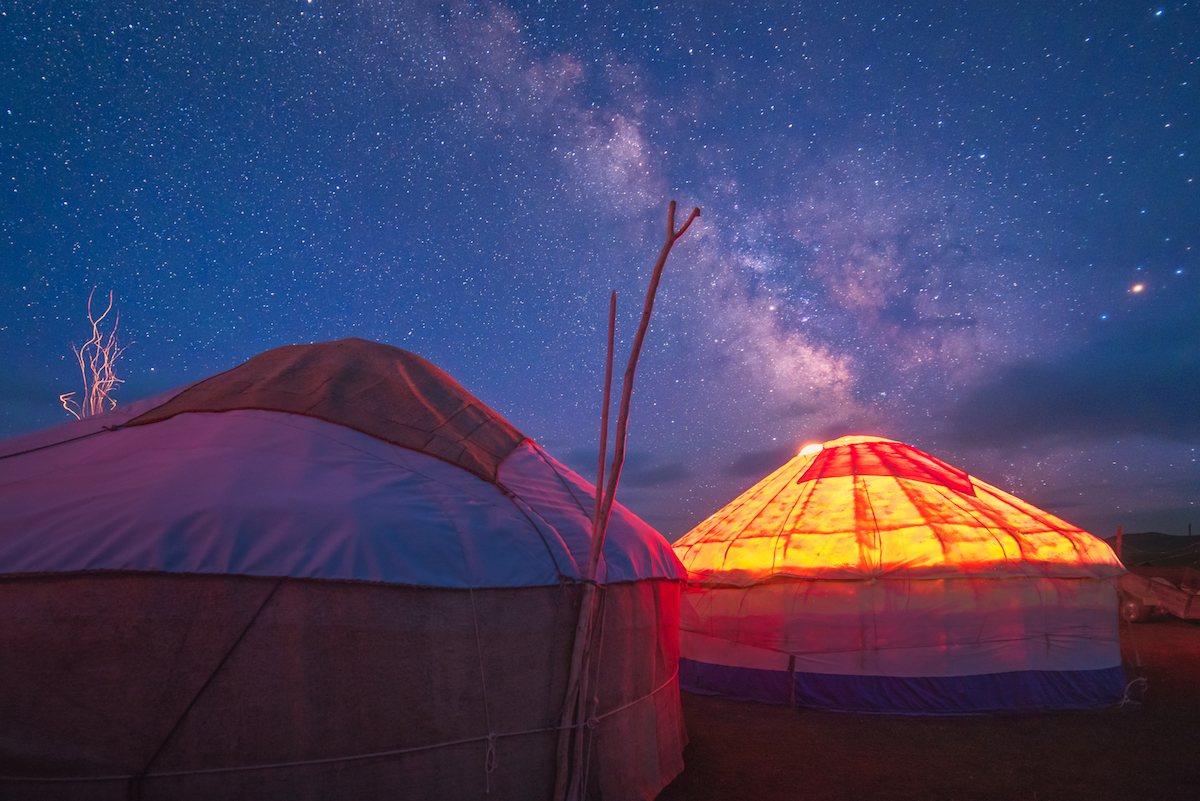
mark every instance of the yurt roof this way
{"type": "Point", "coordinates": [339, 460]}
{"type": "Point", "coordinates": [389, 393]}
{"type": "Point", "coordinates": [864, 507]}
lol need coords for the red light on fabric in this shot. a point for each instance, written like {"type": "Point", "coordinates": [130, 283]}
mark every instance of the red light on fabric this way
{"type": "Point", "coordinates": [886, 459]}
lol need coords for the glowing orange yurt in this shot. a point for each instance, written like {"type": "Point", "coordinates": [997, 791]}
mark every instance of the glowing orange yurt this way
{"type": "Point", "coordinates": [866, 575]}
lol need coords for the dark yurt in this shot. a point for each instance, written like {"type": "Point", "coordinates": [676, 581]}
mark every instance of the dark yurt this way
{"type": "Point", "coordinates": [330, 572]}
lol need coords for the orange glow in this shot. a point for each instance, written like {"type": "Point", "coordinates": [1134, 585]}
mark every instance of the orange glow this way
{"type": "Point", "coordinates": [874, 508]}
{"type": "Point", "coordinates": [96, 358]}
{"type": "Point", "coordinates": [1138, 287]}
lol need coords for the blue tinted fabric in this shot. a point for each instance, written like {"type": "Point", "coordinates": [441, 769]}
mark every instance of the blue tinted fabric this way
{"type": "Point", "coordinates": [1018, 691]}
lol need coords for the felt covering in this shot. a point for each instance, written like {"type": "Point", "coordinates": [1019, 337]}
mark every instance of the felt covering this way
{"type": "Point", "coordinates": [866, 507]}
{"type": "Point", "coordinates": [881, 458]}
{"type": "Point", "coordinates": [329, 573]}
{"type": "Point", "coordinates": [864, 565]}
{"type": "Point", "coordinates": [907, 628]}
{"type": "Point", "coordinates": [389, 393]}
{"type": "Point", "coordinates": [159, 686]}
{"type": "Point", "coordinates": [258, 491]}
{"type": "Point", "coordinates": [272, 494]}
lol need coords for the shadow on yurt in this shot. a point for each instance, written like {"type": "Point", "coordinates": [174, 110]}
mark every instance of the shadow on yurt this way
{"type": "Point", "coordinates": [867, 576]}
{"type": "Point", "coordinates": [330, 572]}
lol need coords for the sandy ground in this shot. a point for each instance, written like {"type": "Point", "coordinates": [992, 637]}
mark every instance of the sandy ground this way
{"type": "Point", "coordinates": [1147, 750]}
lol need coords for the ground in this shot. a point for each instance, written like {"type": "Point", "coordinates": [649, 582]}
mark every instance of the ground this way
{"type": "Point", "coordinates": [1148, 750]}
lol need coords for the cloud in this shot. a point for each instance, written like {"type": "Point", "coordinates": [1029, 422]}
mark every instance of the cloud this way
{"type": "Point", "coordinates": [656, 475]}
{"type": "Point", "coordinates": [641, 469]}
{"type": "Point", "coordinates": [1141, 381]}
{"type": "Point", "coordinates": [757, 464]}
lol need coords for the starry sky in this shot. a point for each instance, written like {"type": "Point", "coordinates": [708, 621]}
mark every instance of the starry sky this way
{"type": "Point", "coordinates": [973, 227]}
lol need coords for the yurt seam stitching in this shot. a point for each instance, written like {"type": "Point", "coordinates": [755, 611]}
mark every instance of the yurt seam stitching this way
{"type": "Point", "coordinates": [987, 524]}
{"type": "Point", "coordinates": [179, 721]}
{"type": "Point", "coordinates": [489, 479]}
{"type": "Point", "coordinates": [542, 455]}
{"type": "Point", "coordinates": [786, 540]}
{"type": "Point", "coordinates": [586, 514]}
{"type": "Point", "coordinates": [990, 522]}
{"type": "Point", "coordinates": [948, 495]}
{"type": "Point", "coordinates": [513, 499]}
{"type": "Point", "coordinates": [1041, 519]}
{"type": "Point", "coordinates": [105, 429]}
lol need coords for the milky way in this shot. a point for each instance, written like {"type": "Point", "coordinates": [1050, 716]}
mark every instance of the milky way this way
{"type": "Point", "coordinates": [920, 222]}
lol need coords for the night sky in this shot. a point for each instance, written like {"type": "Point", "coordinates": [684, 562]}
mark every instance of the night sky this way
{"type": "Point", "coordinates": [974, 227]}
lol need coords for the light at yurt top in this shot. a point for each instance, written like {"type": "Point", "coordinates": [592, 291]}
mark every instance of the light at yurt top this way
{"type": "Point", "coordinates": [863, 508]}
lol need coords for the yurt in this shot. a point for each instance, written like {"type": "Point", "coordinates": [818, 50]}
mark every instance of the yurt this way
{"type": "Point", "coordinates": [865, 575]}
{"type": "Point", "coordinates": [328, 573]}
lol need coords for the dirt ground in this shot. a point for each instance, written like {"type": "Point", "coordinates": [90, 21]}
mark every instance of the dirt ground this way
{"type": "Point", "coordinates": [1147, 750]}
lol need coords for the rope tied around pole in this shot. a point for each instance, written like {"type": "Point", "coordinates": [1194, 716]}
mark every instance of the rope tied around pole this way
{"type": "Point", "coordinates": [1139, 669]}
{"type": "Point", "coordinates": [489, 759]}
{"type": "Point", "coordinates": [1127, 699]}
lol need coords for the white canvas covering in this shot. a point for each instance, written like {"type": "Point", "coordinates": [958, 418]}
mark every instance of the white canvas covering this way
{"type": "Point", "coordinates": [261, 493]}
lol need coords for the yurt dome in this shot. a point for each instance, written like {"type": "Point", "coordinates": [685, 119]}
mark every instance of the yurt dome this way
{"type": "Point", "coordinates": [329, 572]}
{"type": "Point", "coordinates": [866, 575]}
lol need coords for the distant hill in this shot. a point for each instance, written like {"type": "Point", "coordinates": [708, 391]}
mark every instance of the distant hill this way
{"type": "Point", "coordinates": [1155, 549]}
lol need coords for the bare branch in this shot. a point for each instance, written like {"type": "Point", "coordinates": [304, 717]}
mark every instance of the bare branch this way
{"type": "Point", "coordinates": [614, 473]}
{"type": "Point", "coordinates": [608, 366]}
{"type": "Point", "coordinates": [96, 359]}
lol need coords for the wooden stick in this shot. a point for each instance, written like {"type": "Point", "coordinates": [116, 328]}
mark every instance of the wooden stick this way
{"type": "Point", "coordinates": [608, 365]}
{"type": "Point", "coordinates": [614, 474]}
{"type": "Point", "coordinates": [584, 679]}
{"type": "Point", "coordinates": [571, 706]}
{"type": "Point", "coordinates": [575, 704]}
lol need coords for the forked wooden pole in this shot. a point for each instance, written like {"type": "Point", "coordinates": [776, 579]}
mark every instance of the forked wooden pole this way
{"type": "Point", "coordinates": [614, 474]}
{"type": "Point", "coordinates": [574, 709]}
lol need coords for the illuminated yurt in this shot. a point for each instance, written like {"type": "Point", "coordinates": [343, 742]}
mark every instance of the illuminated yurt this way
{"type": "Point", "coordinates": [865, 575]}
{"type": "Point", "coordinates": [330, 572]}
